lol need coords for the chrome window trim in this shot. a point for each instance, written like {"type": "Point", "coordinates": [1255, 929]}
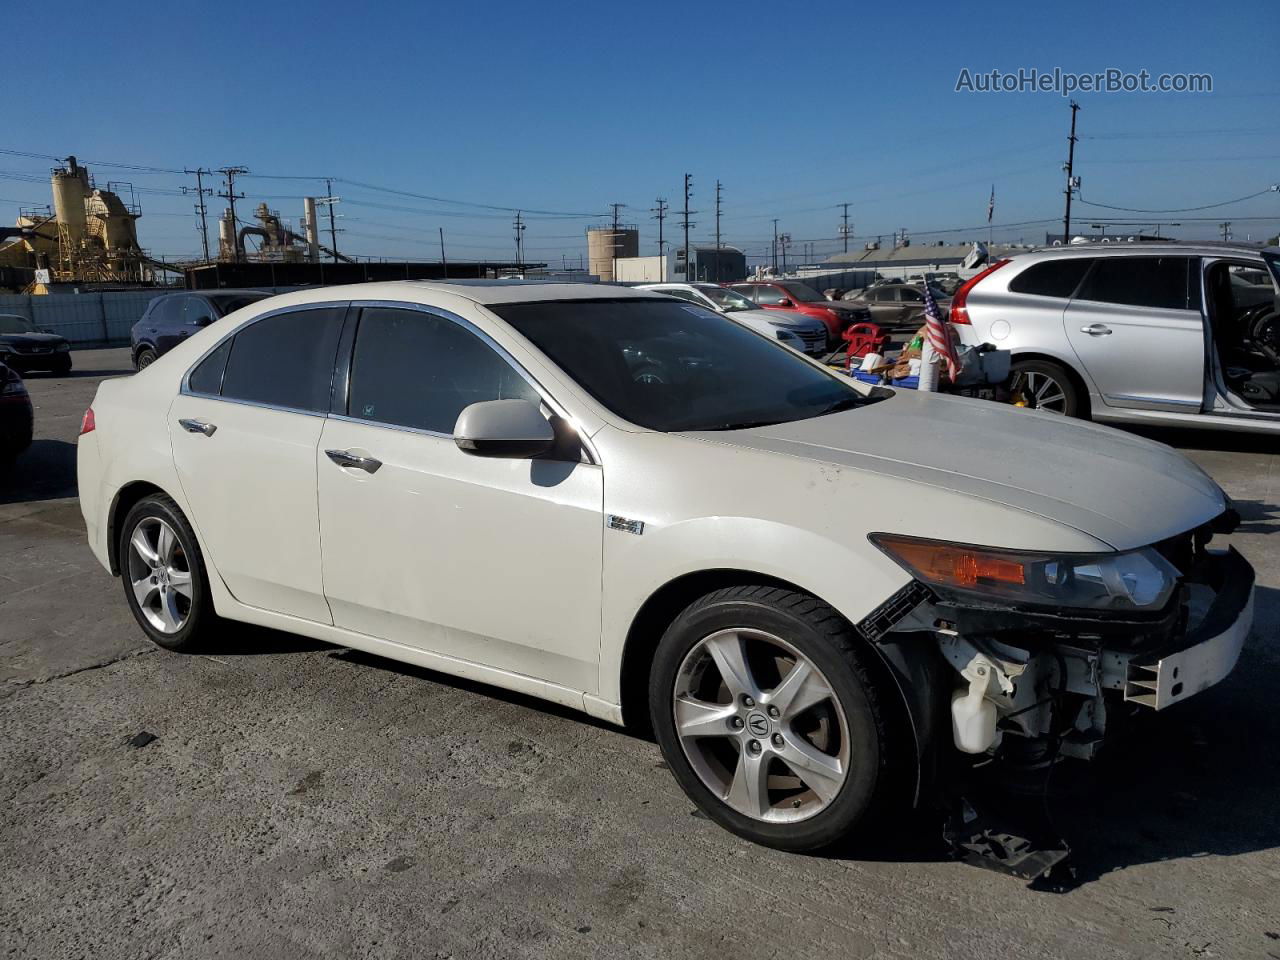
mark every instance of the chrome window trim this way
{"type": "Point", "coordinates": [588, 447]}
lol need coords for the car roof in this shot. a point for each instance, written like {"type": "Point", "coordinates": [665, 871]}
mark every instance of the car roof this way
{"type": "Point", "coordinates": [482, 292]}
{"type": "Point", "coordinates": [220, 292]}
{"type": "Point", "coordinates": [1206, 248]}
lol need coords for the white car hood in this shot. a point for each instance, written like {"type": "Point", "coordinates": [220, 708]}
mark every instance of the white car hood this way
{"type": "Point", "coordinates": [1123, 490]}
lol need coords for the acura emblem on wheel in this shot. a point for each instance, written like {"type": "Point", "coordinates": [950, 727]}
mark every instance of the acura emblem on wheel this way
{"type": "Point", "coordinates": [758, 724]}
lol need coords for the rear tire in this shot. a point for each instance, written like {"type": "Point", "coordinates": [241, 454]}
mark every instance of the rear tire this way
{"type": "Point", "coordinates": [1047, 386]}
{"type": "Point", "coordinates": [787, 763]}
{"type": "Point", "coordinates": [145, 358]}
{"type": "Point", "coordinates": [163, 574]}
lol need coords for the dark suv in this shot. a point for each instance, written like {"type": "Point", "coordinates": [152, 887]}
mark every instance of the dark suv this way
{"type": "Point", "coordinates": [173, 317]}
{"type": "Point", "coordinates": [15, 415]}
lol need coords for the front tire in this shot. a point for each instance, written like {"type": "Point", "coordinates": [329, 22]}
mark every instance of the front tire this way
{"type": "Point", "coordinates": [145, 358]}
{"type": "Point", "coordinates": [768, 718]}
{"type": "Point", "coordinates": [163, 574]}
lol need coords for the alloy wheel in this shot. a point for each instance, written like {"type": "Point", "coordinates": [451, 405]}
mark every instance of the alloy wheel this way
{"type": "Point", "coordinates": [761, 726]}
{"type": "Point", "coordinates": [160, 574]}
{"type": "Point", "coordinates": [1040, 391]}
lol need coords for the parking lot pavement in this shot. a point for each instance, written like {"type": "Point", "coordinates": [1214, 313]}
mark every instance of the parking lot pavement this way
{"type": "Point", "coordinates": [305, 801]}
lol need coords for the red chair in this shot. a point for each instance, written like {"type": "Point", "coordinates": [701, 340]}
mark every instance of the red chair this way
{"type": "Point", "coordinates": [864, 338]}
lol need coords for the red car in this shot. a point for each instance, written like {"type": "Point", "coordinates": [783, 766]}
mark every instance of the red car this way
{"type": "Point", "coordinates": [792, 296]}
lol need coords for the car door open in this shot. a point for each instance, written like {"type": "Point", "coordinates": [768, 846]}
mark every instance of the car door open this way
{"type": "Point", "coordinates": [465, 565]}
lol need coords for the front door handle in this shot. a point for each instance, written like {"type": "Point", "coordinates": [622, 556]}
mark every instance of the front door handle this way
{"type": "Point", "coordinates": [1096, 330]}
{"type": "Point", "coordinates": [198, 426]}
{"type": "Point", "coordinates": [344, 458]}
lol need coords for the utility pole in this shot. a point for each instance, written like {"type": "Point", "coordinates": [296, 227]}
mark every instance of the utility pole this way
{"type": "Point", "coordinates": [659, 213]}
{"type": "Point", "coordinates": [201, 191]}
{"type": "Point", "coordinates": [443, 258]}
{"type": "Point", "coordinates": [518, 225]}
{"type": "Point", "coordinates": [329, 200]}
{"type": "Point", "coordinates": [1072, 183]}
{"type": "Point", "coordinates": [844, 226]}
{"type": "Point", "coordinates": [717, 231]}
{"type": "Point", "coordinates": [613, 239]}
{"type": "Point", "coordinates": [685, 222]}
{"type": "Point", "coordinates": [775, 245]}
{"type": "Point", "coordinates": [230, 174]}
{"type": "Point", "coordinates": [1226, 231]}
{"type": "Point", "coordinates": [783, 240]}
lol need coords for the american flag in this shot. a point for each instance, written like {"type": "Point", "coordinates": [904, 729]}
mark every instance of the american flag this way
{"type": "Point", "coordinates": [991, 204]}
{"type": "Point", "coordinates": [938, 333]}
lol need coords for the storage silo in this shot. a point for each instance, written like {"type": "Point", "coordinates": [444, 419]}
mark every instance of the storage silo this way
{"type": "Point", "coordinates": [70, 189]}
{"type": "Point", "coordinates": [606, 244]}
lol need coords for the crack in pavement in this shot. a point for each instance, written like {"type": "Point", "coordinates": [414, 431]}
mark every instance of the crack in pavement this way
{"type": "Point", "coordinates": [16, 685]}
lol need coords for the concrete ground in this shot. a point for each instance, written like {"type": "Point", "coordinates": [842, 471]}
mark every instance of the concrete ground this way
{"type": "Point", "coordinates": [305, 801]}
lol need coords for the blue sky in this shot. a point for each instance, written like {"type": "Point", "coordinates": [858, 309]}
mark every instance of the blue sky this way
{"type": "Point", "coordinates": [570, 107]}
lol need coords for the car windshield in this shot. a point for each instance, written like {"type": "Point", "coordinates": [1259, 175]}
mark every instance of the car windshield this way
{"type": "Point", "coordinates": [727, 299]}
{"type": "Point", "coordinates": [12, 324]}
{"type": "Point", "coordinates": [233, 302]}
{"type": "Point", "coordinates": [803, 293]}
{"type": "Point", "coordinates": [672, 366]}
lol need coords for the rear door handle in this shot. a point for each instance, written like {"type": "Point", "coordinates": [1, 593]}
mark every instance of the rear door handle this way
{"type": "Point", "coordinates": [344, 458]}
{"type": "Point", "coordinates": [198, 426]}
{"type": "Point", "coordinates": [1096, 330]}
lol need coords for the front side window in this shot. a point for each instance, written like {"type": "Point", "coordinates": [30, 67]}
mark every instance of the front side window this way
{"type": "Point", "coordinates": [670, 366]}
{"type": "Point", "coordinates": [1163, 282]}
{"type": "Point", "coordinates": [769, 295]}
{"type": "Point", "coordinates": [285, 360]}
{"type": "Point", "coordinates": [415, 369]}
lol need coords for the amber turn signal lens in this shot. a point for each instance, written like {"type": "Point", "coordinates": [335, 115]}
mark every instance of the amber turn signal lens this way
{"type": "Point", "coordinates": [955, 566]}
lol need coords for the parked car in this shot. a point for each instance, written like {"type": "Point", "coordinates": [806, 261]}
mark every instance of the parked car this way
{"type": "Point", "coordinates": [171, 318]}
{"type": "Point", "coordinates": [16, 417]}
{"type": "Point", "coordinates": [1170, 333]}
{"type": "Point", "coordinates": [24, 347]}
{"type": "Point", "coordinates": [805, 334]}
{"type": "Point", "coordinates": [899, 305]}
{"type": "Point", "coordinates": [476, 478]}
{"type": "Point", "coordinates": [794, 297]}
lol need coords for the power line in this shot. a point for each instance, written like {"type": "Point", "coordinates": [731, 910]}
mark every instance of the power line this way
{"type": "Point", "coordinates": [1207, 206]}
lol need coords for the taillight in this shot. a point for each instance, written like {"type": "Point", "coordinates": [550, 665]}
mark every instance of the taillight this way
{"type": "Point", "coordinates": [87, 424]}
{"type": "Point", "coordinates": [959, 312]}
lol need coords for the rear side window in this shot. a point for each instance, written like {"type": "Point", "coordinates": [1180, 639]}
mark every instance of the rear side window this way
{"type": "Point", "coordinates": [414, 369]}
{"type": "Point", "coordinates": [207, 376]}
{"type": "Point", "coordinates": [286, 360]}
{"type": "Point", "coordinates": [1052, 278]}
{"type": "Point", "coordinates": [1164, 282]}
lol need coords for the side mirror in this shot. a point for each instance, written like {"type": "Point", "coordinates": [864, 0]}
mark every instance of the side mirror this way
{"type": "Point", "coordinates": [203, 321]}
{"type": "Point", "coordinates": [784, 302]}
{"type": "Point", "coordinates": [513, 429]}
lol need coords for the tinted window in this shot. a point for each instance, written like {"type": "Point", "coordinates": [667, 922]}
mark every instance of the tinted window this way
{"type": "Point", "coordinates": [194, 309]}
{"type": "Point", "coordinates": [207, 376]}
{"type": "Point", "coordinates": [413, 369]}
{"type": "Point", "coordinates": [910, 296]}
{"type": "Point", "coordinates": [226, 304]}
{"type": "Point", "coordinates": [167, 310]}
{"type": "Point", "coordinates": [802, 293]}
{"type": "Point", "coordinates": [769, 295]}
{"type": "Point", "coordinates": [285, 360]}
{"type": "Point", "coordinates": [1052, 278]}
{"type": "Point", "coordinates": [1139, 281]}
{"type": "Point", "coordinates": [670, 366]}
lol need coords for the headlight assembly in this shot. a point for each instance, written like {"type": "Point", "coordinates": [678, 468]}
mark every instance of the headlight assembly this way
{"type": "Point", "coordinates": [1140, 580]}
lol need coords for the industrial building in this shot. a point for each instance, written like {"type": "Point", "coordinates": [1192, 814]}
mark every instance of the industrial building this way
{"type": "Point", "coordinates": [608, 244]}
{"type": "Point", "coordinates": [88, 237]}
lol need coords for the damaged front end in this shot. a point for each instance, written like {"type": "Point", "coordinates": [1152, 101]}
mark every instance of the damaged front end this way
{"type": "Point", "coordinates": [1044, 649]}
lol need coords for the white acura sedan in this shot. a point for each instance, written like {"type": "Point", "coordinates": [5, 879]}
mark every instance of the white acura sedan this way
{"type": "Point", "coordinates": [813, 591]}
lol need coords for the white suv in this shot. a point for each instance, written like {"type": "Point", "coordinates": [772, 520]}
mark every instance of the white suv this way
{"type": "Point", "coordinates": [1163, 333]}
